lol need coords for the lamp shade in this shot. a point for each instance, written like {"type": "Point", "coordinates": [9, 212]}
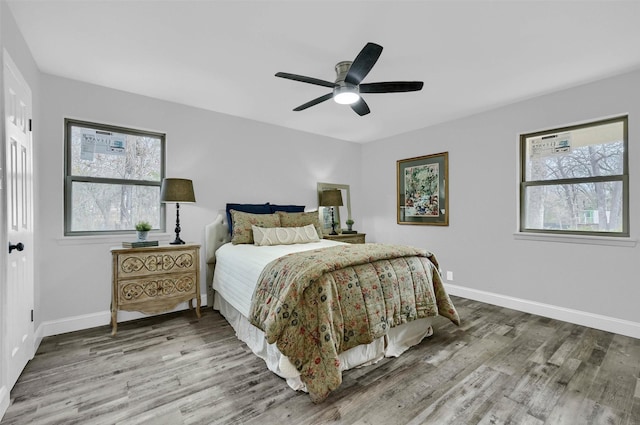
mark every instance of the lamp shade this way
{"type": "Point", "coordinates": [177, 190]}
{"type": "Point", "coordinates": [331, 198]}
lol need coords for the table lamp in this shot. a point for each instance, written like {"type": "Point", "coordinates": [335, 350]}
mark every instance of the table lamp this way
{"type": "Point", "coordinates": [331, 198]}
{"type": "Point", "coordinates": [178, 191]}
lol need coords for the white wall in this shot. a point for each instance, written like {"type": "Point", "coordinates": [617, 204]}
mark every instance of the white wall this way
{"type": "Point", "coordinates": [229, 160]}
{"type": "Point", "coordinates": [591, 281]}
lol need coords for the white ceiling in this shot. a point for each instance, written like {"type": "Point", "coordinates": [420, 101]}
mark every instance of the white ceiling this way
{"type": "Point", "coordinates": [222, 55]}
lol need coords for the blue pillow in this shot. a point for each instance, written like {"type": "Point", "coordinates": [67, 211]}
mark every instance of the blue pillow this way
{"type": "Point", "coordinates": [286, 208]}
{"type": "Point", "coordinates": [248, 208]}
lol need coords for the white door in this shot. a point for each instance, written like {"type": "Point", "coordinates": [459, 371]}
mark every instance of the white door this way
{"type": "Point", "coordinates": [18, 199]}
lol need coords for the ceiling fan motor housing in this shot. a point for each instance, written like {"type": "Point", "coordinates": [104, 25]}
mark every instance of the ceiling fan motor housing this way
{"type": "Point", "coordinates": [341, 70]}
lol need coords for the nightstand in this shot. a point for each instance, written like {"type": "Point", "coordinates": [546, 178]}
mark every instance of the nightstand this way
{"type": "Point", "coordinates": [154, 279]}
{"type": "Point", "coordinates": [347, 237]}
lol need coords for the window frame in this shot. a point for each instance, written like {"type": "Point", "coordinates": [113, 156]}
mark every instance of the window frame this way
{"type": "Point", "coordinates": [69, 179]}
{"type": "Point", "coordinates": [623, 178]}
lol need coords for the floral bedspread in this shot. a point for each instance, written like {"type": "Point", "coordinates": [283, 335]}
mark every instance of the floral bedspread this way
{"type": "Point", "coordinates": [316, 304]}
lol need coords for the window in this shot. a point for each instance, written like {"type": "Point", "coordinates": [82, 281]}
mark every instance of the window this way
{"type": "Point", "coordinates": [574, 180]}
{"type": "Point", "coordinates": [112, 178]}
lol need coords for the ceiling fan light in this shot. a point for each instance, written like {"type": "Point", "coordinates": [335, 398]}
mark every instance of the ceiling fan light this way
{"type": "Point", "coordinates": [346, 98]}
{"type": "Point", "coordinates": [345, 95]}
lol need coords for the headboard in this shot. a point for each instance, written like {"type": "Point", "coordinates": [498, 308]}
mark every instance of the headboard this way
{"type": "Point", "coordinates": [216, 234]}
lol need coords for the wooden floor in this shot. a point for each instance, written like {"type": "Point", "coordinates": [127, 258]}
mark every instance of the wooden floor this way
{"type": "Point", "coordinates": [500, 367]}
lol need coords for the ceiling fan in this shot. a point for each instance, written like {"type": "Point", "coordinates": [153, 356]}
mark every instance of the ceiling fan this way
{"type": "Point", "coordinates": [347, 87]}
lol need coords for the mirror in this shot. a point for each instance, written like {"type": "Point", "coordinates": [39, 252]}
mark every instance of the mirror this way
{"type": "Point", "coordinates": [325, 212]}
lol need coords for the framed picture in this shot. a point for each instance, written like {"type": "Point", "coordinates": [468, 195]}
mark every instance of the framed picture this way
{"type": "Point", "coordinates": [423, 196]}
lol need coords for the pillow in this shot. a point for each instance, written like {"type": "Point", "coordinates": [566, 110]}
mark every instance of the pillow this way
{"type": "Point", "coordinates": [284, 235]}
{"type": "Point", "coordinates": [249, 208]}
{"type": "Point", "coordinates": [286, 208]}
{"type": "Point", "coordinates": [301, 219]}
{"type": "Point", "coordinates": [243, 221]}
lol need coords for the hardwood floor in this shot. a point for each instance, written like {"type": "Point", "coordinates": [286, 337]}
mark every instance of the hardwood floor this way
{"type": "Point", "coordinates": [500, 367]}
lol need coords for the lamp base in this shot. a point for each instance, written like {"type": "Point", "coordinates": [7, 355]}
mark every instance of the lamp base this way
{"type": "Point", "coordinates": [333, 224]}
{"type": "Point", "coordinates": [177, 240]}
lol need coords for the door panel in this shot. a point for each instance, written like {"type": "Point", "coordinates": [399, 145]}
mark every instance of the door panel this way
{"type": "Point", "coordinates": [18, 219]}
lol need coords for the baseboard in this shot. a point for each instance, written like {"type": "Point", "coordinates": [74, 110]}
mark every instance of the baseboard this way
{"type": "Point", "coordinates": [37, 338]}
{"type": "Point", "coordinates": [596, 321]}
{"type": "Point", "coordinates": [93, 320]}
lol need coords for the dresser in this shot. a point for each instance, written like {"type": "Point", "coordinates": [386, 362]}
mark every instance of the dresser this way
{"type": "Point", "coordinates": [154, 279]}
{"type": "Point", "coordinates": [347, 237]}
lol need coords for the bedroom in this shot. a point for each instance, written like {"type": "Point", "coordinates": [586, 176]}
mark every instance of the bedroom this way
{"type": "Point", "coordinates": [72, 281]}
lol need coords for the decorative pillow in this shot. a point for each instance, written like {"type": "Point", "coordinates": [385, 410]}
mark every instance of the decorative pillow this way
{"type": "Point", "coordinates": [284, 235]}
{"type": "Point", "coordinates": [248, 208]}
{"type": "Point", "coordinates": [243, 221]}
{"type": "Point", "coordinates": [286, 208]}
{"type": "Point", "coordinates": [301, 219]}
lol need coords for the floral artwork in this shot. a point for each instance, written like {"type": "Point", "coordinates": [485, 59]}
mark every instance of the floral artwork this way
{"type": "Point", "coordinates": [421, 187]}
{"type": "Point", "coordinates": [422, 190]}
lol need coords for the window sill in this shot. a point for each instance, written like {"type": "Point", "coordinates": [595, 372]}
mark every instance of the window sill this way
{"type": "Point", "coordinates": [579, 239]}
{"type": "Point", "coordinates": [110, 239]}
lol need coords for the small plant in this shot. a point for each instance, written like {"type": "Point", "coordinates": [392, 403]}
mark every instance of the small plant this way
{"type": "Point", "coordinates": [143, 226]}
{"type": "Point", "coordinates": [349, 222]}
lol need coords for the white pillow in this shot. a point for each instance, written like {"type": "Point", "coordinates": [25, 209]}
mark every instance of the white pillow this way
{"type": "Point", "coordinates": [263, 236]}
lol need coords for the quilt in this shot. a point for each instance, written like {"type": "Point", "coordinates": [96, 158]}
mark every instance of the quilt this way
{"type": "Point", "coordinates": [316, 304]}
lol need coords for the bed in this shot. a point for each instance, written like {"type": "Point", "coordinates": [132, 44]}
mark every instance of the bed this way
{"type": "Point", "coordinates": [274, 297]}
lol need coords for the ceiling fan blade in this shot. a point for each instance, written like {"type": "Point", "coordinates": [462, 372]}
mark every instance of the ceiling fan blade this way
{"type": "Point", "coordinates": [360, 107]}
{"type": "Point", "coordinates": [391, 87]}
{"type": "Point", "coordinates": [314, 102]}
{"type": "Point", "coordinates": [304, 79]}
{"type": "Point", "coordinates": [363, 63]}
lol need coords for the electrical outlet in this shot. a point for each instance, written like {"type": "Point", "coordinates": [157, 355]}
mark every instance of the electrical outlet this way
{"type": "Point", "coordinates": [449, 275]}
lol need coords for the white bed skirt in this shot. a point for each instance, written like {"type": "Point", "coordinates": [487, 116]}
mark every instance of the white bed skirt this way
{"type": "Point", "coordinates": [397, 341]}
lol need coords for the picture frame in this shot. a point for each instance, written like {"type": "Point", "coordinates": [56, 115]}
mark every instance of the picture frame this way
{"type": "Point", "coordinates": [423, 192]}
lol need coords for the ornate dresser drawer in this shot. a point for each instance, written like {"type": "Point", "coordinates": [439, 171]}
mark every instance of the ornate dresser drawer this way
{"type": "Point", "coordinates": [148, 263]}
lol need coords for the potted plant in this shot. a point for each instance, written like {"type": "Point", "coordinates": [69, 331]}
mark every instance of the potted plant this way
{"type": "Point", "coordinates": [349, 224]}
{"type": "Point", "coordinates": [143, 227]}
